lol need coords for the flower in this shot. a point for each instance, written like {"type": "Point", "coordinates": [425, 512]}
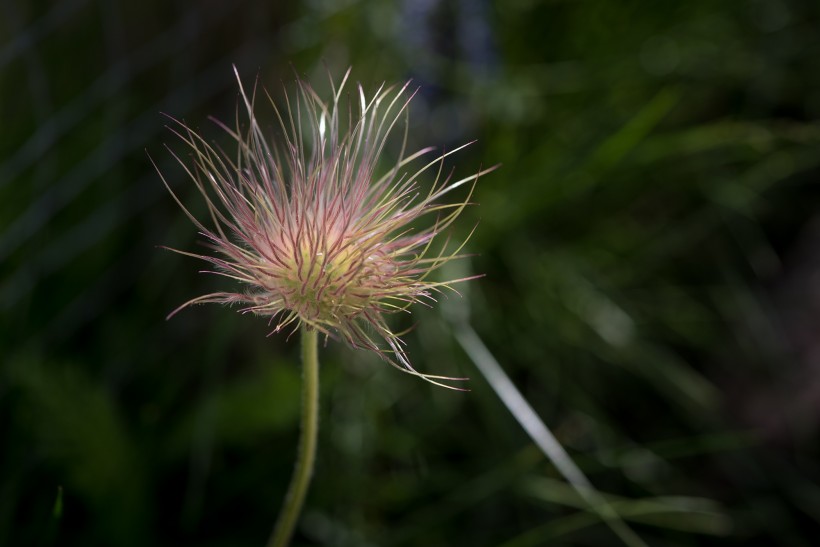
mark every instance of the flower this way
{"type": "Point", "coordinates": [312, 232]}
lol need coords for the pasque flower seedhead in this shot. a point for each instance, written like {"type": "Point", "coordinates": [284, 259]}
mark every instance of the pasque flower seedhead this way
{"type": "Point", "coordinates": [312, 230]}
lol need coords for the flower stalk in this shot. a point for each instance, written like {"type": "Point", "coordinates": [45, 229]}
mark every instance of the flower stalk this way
{"type": "Point", "coordinates": [306, 456]}
{"type": "Point", "coordinates": [318, 237]}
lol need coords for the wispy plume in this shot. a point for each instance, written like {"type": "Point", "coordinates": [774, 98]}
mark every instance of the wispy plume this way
{"type": "Point", "coordinates": [313, 227]}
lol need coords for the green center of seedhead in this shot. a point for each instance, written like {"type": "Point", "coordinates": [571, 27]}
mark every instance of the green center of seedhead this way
{"type": "Point", "coordinates": [328, 285]}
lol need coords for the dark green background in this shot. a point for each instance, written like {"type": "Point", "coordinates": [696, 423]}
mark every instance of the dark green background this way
{"type": "Point", "coordinates": [650, 249]}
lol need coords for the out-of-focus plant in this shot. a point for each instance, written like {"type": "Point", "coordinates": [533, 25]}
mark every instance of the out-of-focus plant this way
{"type": "Point", "coordinates": [317, 238]}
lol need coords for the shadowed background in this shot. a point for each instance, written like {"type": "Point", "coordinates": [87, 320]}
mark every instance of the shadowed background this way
{"type": "Point", "coordinates": [650, 249]}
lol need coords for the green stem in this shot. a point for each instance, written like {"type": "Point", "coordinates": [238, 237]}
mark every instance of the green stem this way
{"type": "Point", "coordinates": [307, 441]}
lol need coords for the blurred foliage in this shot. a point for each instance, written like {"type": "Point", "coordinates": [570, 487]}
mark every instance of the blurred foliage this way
{"type": "Point", "coordinates": [651, 281]}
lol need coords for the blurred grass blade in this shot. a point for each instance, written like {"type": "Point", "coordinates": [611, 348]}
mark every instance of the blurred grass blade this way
{"type": "Point", "coordinates": [52, 527]}
{"type": "Point", "coordinates": [618, 145]}
{"type": "Point", "coordinates": [57, 512]}
{"type": "Point", "coordinates": [684, 513]}
{"type": "Point", "coordinates": [539, 432]}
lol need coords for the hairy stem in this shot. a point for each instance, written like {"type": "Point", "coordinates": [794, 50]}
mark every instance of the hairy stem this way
{"type": "Point", "coordinates": [307, 441]}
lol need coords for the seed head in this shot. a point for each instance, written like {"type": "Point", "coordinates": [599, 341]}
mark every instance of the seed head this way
{"type": "Point", "coordinates": [312, 230]}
